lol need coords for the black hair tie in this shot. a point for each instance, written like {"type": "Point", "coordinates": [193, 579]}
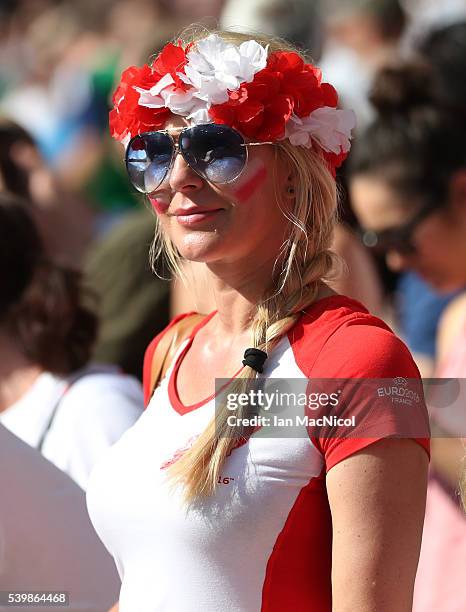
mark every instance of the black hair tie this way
{"type": "Point", "coordinates": [255, 359]}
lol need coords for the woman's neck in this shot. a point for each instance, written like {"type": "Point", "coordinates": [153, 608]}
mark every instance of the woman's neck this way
{"type": "Point", "coordinates": [237, 290]}
{"type": "Point", "coordinates": [237, 293]}
{"type": "Point", "coordinates": [17, 373]}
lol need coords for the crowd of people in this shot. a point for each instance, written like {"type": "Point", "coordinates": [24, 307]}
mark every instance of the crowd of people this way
{"type": "Point", "coordinates": [135, 276]}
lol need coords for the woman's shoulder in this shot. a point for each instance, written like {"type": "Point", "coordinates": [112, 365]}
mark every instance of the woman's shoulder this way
{"type": "Point", "coordinates": [167, 341]}
{"type": "Point", "coordinates": [331, 314]}
{"type": "Point", "coordinates": [155, 341]}
{"type": "Point", "coordinates": [338, 337]}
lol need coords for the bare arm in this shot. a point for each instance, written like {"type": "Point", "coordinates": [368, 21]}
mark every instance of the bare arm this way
{"type": "Point", "coordinates": [377, 499]}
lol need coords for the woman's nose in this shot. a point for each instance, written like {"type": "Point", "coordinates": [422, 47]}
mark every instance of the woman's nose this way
{"type": "Point", "coordinates": [182, 177]}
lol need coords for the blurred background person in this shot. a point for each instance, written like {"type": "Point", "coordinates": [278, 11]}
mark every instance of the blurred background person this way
{"type": "Point", "coordinates": [421, 309]}
{"type": "Point", "coordinates": [50, 395]}
{"type": "Point", "coordinates": [46, 537]}
{"type": "Point", "coordinates": [133, 302]}
{"type": "Point", "coordinates": [427, 15]}
{"type": "Point", "coordinates": [408, 188]}
{"type": "Point", "coordinates": [360, 37]}
{"type": "Point", "coordinates": [445, 51]}
{"type": "Point", "coordinates": [298, 21]}
{"type": "Point", "coordinates": [57, 80]}
{"type": "Point", "coordinates": [65, 219]}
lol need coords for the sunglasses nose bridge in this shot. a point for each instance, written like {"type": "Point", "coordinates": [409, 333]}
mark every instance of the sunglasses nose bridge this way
{"type": "Point", "coordinates": [176, 150]}
{"type": "Point", "coordinates": [181, 175]}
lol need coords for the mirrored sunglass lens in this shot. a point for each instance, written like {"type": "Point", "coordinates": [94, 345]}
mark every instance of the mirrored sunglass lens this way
{"type": "Point", "coordinates": [148, 160]}
{"type": "Point", "coordinates": [216, 152]}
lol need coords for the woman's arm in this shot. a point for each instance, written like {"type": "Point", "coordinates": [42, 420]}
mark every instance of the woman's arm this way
{"type": "Point", "coordinates": [377, 499]}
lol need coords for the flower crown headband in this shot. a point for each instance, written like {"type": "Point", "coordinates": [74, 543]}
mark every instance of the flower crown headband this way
{"type": "Point", "coordinates": [265, 96]}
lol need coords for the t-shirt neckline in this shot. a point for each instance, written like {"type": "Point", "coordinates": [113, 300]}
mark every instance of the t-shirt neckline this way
{"type": "Point", "coordinates": [173, 395]}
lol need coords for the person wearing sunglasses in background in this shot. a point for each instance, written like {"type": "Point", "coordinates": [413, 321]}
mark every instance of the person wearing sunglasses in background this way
{"type": "Point", "coordinates": [408, 188]}
{"type": "Point", "coordinates": [236, 143]}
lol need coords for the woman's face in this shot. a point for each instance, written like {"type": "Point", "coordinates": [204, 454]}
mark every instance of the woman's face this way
{"type": "Point", "coordinates": [226, 223]}
{"type": "Point", "coordinates": [439, 239]}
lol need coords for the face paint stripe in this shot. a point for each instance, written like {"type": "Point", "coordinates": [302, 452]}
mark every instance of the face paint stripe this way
{"type": "Point", "coordinates": [247, 189]}
{"type": "Point", "coordinates": [159, 206]}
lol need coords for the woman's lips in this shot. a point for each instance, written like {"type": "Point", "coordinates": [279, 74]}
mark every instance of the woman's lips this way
{"type": "Point", "coordinates": [193, 217]}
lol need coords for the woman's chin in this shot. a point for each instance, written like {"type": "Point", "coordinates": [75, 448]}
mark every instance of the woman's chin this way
{"type": "Point", "coordinates": [200, 248]}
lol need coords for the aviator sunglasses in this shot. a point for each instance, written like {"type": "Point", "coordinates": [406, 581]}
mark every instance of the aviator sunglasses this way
{"type": "Point", "coordinates": [217, 153]}
{"type": "Point", "coordinates": [399, 239]}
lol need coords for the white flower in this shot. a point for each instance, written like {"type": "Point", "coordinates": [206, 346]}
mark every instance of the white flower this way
{"type": "Point", "coordinates": [252, 57]}
{"type": "Point", "coordinates": [165, 93]}
{"type": "Point", "coordinates": [200, 115]}
{"type": "Point", "coordinates": [180, 102]}
{"type": "Point", "coordinates": [215, 66]}
{"type": "Point", "coordinates": [152, 98]}
{"type": "Point", "coordinates": [329, 127]}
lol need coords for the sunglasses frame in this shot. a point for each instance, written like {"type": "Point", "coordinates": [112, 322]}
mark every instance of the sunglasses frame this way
{"type": "Point", "coordinates": [402, 235]}
{"type": "Point", "coordinates": [178, 150]}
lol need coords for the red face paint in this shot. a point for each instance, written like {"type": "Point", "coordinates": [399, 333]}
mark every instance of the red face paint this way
{"type": "Point", "coordinates": [159, 206]}
{"type": "Point", "coordinates": [248, 188]}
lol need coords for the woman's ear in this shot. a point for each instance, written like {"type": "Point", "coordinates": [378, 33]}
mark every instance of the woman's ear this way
{"type": "Point", "coordinates": [286, 175]}
{"type": "Point", "coordinates": [289, 187]}
{"type": "Point", "coordinates": [290, 190]}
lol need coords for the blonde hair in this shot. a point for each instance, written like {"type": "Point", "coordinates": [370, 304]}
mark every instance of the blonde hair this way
{"type": "Point", "coordinates": [303, 262]}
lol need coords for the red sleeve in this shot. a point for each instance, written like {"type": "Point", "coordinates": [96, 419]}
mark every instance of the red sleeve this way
{"type": "Point", "coordinates": [377, 383]}
{"type": "Point", "coordinates": [149, 354]}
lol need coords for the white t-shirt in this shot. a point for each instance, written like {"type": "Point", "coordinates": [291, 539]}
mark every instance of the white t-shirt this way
{"type": "Point", "coordinates": [46, 538]}
{"type": "Point", "coordinates": [92, 413]}
{"type": "Point", "coordinates": [263, 540]}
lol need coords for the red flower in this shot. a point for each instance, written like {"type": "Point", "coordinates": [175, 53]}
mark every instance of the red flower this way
{"type": "Point", "coordinates": [258, 109]}
{"type": "Point", "coordinates": [334, 160]}
{"type": "Point", "coordinates": [287, 85]}
{"type": "Point", "coordinates": [171, 60]}
{"type": "Point", "coordinates": [127, 116]}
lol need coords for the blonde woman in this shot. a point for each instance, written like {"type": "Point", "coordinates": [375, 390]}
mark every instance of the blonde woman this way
{"type": "Point", "coordinates": [236, 142]}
